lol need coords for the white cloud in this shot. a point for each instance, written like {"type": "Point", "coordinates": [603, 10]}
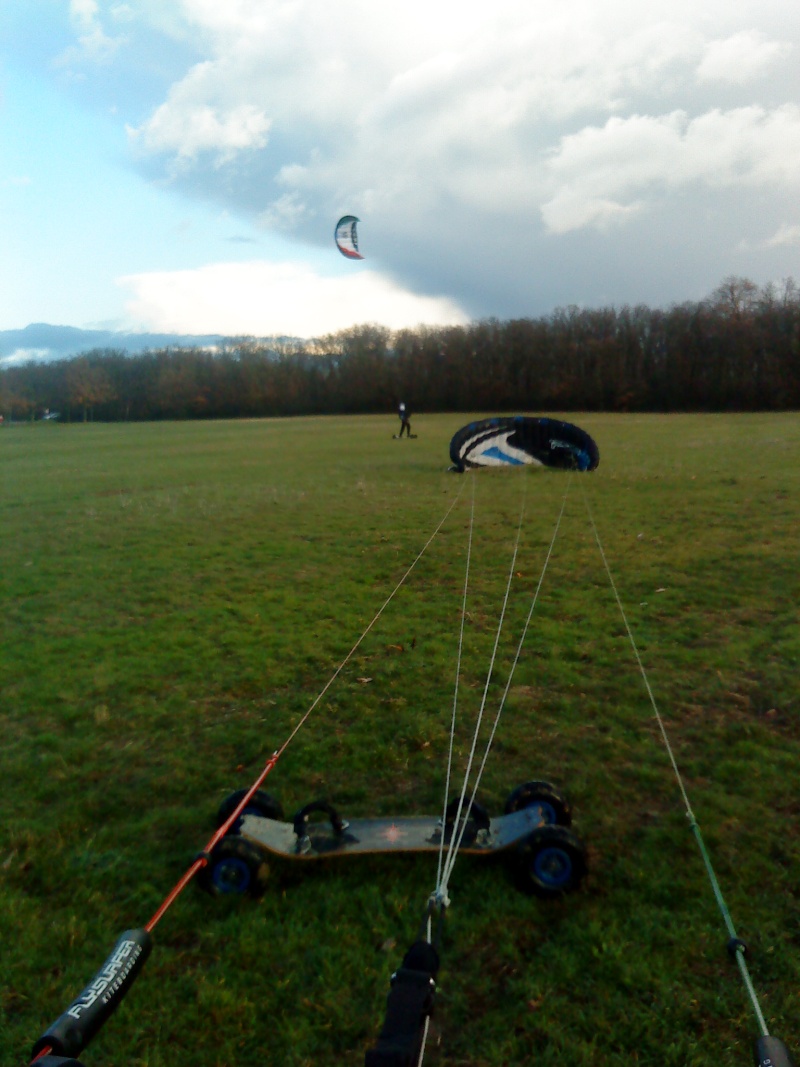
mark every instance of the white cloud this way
{"type": "Point", "coordinates": [204, 128]}
{"type": "Point", "coordinates": [602, 173]}
{"type": "Point", "coordinates": [360, 84]}
{"type": "Point", "coordinates": [364, 99]}
{"type": "Point", "coordinates": [741, 58]}
{"type": "Point", "coordinates": [196, 119]}
{"type": "Point", "coordinates": [284, 213]}
{"type": "Point", "coordinates": [94, 43]}
{"type": "Point", "coordinates": [787, 234]}
{"type": "Point", "coordinates": [264, 299]}
{"type": "Point", "coordinates": [25, 355]}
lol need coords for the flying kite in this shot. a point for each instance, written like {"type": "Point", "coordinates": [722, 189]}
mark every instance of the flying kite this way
{"type": "Point", "coordinates": [514, 441]}
{"type": "Point", "coordinates": [346, 237]}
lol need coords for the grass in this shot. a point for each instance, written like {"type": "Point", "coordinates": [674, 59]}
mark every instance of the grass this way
{"type": "Point", "coordinates": [174, 597]}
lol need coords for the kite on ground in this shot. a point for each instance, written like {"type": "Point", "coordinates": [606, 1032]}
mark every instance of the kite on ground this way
{"type": "Point", "coordinates": [514, 441]}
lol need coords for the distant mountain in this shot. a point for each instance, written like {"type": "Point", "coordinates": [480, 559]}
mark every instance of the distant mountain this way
{"type": "Point", "coordinates": [41, 341]}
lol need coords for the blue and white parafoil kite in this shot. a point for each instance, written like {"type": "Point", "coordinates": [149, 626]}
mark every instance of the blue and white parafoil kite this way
{"type": "Point", "coordinates": [512, 442]}
{"type": "Point", "coordinates": [346, 237]}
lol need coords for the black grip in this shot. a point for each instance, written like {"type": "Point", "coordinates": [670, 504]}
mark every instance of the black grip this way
{"type": "Point", "coordinates": [73, 1030]}
{"type": "Point", "coordinates": [771, 1052]}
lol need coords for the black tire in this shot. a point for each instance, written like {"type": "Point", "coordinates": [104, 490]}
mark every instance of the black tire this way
{"type": "Point", "coordinates": [554, 806]}
{"type": "Point", "coordinates": [260, 803]}
{"type": "Point", "coordinates": [236, 867]}
{"type": "Point", "coordinates": [550, 862]}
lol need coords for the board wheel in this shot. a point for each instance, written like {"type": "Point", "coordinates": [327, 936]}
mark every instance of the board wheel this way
{"type": "Point", "coordinates": [551, 861]}
{"type": "Point", "coordinates": [552, 803]}
{"type": "Point", "coordinates": [260, 803]}
{"type": "Point", "coordinates": [236, 866]}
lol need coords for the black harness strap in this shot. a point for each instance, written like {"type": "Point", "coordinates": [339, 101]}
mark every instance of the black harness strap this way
{"type": "Point", "coordinates": [408, 1006]}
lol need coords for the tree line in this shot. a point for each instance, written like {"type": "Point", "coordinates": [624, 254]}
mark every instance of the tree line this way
{"type": "Point", "coordinates": [737, 350]}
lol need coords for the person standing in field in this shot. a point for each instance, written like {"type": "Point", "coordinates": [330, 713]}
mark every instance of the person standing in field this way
{"type": "Point", "coordinates": [405, 419]}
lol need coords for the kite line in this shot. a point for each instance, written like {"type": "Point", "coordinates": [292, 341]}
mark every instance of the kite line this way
{"type": "Point", "coordinates": [769, 1050]}
{"type": "Point", "coordinates": [404, 1034]}
{"type": "Point", "coordinates": [444, 877]}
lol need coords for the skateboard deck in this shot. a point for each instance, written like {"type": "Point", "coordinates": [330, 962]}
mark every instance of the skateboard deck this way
{"type": "Point", "coordinates": [405, 834]}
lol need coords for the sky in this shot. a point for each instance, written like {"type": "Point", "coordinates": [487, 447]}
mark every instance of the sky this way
{"type": "Point", "coordinates": [179, 165]}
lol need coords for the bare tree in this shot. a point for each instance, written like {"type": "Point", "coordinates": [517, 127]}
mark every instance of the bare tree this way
{"type": "Point", "coordinates": [735, 296]}
{"type": "Point", "coordinates": [88, 384]}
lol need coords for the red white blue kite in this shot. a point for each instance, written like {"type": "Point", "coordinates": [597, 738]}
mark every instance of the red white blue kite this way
{"type": "Point", "coordinates": [346, 237]}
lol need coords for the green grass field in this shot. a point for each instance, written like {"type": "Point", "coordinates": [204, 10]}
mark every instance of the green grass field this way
{"type": "Point", "coordinates": [175, 596]}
